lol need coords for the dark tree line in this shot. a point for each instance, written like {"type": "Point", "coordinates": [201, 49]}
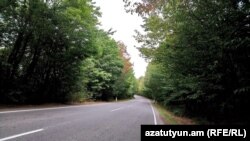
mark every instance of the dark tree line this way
{"type": "Point", "coordinates": [199, 53]}
{"type": "Point", "coordinates": [45, 48]}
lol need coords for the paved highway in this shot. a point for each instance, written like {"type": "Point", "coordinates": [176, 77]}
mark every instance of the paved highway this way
{"type": "Point", "coordinates": [118, 121]}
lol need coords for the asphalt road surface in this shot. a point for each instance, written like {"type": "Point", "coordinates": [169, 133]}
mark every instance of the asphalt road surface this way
{"type": "Point", "coordinates": [118, 121]}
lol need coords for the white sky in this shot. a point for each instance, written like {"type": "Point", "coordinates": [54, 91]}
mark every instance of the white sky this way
{"type": "Point", "coordinates": [114, 16]}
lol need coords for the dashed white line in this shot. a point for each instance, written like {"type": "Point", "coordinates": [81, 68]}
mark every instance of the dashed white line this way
{"type": "Point", "coordinates": [155, 122]}
{"type": "Point", "coordinates": [19, 135]}
{"type": "Point", "coordinates": [117, 109]}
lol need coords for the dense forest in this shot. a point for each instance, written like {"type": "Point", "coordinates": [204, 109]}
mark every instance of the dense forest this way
{"type": "Point", "coordinates": [199, 57]}
{"type": "Point", "coordinates": [54, 51]}
{"type": "Point", "coordinates": [198, 53]}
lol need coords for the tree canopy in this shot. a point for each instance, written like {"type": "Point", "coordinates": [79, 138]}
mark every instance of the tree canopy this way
{"type": "Point", "coordinates": [199, 56]}
{"type": "Point", "coordinates": [53, 51]}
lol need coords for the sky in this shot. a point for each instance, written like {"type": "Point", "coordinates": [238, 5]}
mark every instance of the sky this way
{"type": "Point", "coordinates": [114, 16]}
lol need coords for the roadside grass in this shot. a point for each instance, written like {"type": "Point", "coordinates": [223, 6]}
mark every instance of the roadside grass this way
{"type": "Point", "coordinates": [169, 118]}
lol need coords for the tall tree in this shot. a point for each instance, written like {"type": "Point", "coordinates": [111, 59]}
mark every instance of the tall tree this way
{"type": "Point", "coordinates": [125, 86]}
{"type": "Point", "coordinates": [202, 50]}
{"type": "Point", "coordinates": [43, 44]}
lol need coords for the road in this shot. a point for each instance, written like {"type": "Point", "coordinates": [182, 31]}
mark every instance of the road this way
{"type": "Point", "coordinates": [117, 121]}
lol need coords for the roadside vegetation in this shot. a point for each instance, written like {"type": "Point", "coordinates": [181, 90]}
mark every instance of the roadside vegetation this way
{"type": "Point", "coordinates": [199, 55]}
{"type": "Point", "coordinates": [53, 51]}
{"type": "Point", "coordinates": [171, 118]}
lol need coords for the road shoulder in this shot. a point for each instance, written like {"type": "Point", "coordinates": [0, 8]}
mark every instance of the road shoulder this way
{"type": "Point", "coordinates": [169, 118]}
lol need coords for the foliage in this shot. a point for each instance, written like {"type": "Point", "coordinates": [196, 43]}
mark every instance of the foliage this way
{"type": "Point", "coordinates": [46, 48]}
{"type": "Point", "coordinates": [125, 86]}
{"type": "Point", "coordinates": [199, 52]}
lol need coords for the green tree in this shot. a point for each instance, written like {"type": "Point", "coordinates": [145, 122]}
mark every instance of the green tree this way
{"type": "Point", "coordinates": [103, 69]}
{"type": "Point", "coordinates": [200, 49]}
{"type": "Point", "coordinates": [43, 44]}
{"type": "Point", "coordinates": [125, 86]}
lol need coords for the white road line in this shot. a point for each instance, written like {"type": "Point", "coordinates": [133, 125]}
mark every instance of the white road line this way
{"type": "Point", "coordinates": [155, 122]}
{"type": "Point", "coordinates": [117, 109]}
{"type": "Point", "coordinates": [43, 109]}
{"type": "Point", "coordinates": [19, 135]}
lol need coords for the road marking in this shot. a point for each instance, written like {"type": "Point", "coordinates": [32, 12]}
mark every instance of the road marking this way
{"type": "Point", "coordinates": [43, 109]}
{"type": "Point", "coordinates": [139, 100]}
{"type": "Point", "coordinates": [117, 109]}
{"type": "Point", "coordinates": [19, 135]}
{"type": "Point", "coordinates": [155, 122]}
